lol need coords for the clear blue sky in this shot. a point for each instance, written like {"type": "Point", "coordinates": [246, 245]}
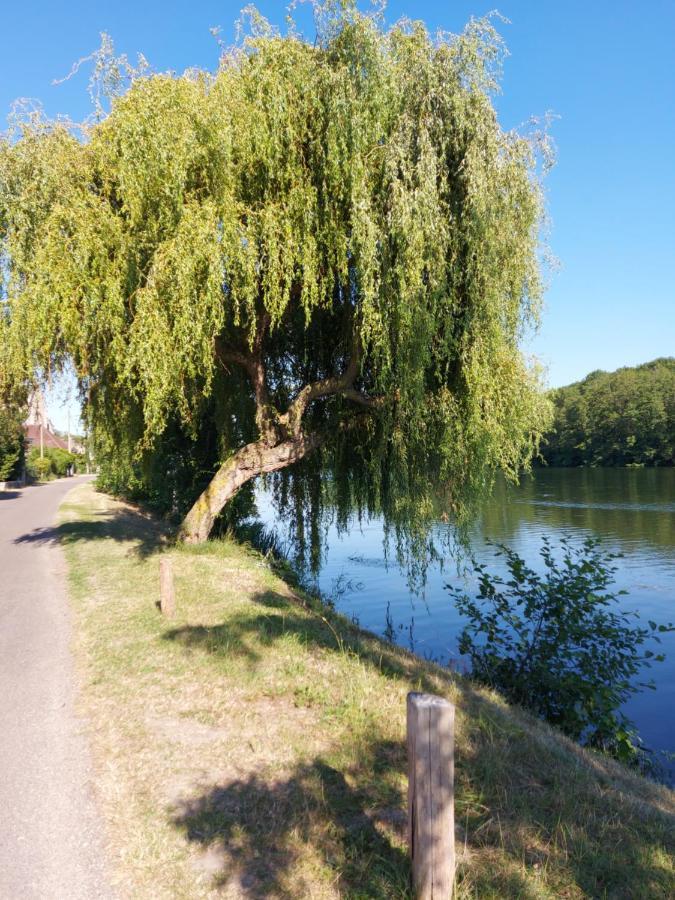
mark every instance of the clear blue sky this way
{"type": "Point", "coordinates": [607, 69]}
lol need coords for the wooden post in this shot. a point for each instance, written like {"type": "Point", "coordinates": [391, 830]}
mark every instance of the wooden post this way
{"type": "Point", "coordinates": [167, 597]}
{"type": "Point", "coordinates": [431, 795]}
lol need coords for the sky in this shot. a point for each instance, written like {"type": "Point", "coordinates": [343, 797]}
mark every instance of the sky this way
{"type": "Point", "coordinates": [606, 70]}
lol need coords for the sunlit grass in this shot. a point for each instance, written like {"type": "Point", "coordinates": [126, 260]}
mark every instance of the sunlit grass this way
{"type": "Point", "coordinates": [254, 745]}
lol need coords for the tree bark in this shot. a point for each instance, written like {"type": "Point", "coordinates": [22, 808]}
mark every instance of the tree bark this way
{"type": "Point", "coordinates": [252, 460]}
{"type": "Point", "coordinates": [282, 441]}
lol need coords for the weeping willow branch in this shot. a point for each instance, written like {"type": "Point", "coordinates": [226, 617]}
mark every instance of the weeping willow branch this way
{"type": "Point", "coordinates": [267, 418]}
{"type": "Point", "coordinates": [343, 221]}
{"type": "Point", "coordinates": [271, 423]}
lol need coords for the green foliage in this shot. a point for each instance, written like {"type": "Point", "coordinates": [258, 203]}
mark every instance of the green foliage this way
{"type": "Point", "coordinates": [11, 444]}
{"type": "Point", "coordinates": [622, 418]}
{"type": "Point", "coordinates": [557, 644]}
{"type": "Point", "coordinates": [62, 460]}
{"type": "Point", "coordinates": [54, 462]}
{"type": "Point", "coordinates": [39, 467]}
{"type": "Point", "coordinates": [308, 205]}
{"type": "Point", "coordinates": [12, 399]}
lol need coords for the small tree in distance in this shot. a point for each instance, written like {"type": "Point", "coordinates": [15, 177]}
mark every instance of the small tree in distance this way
{"type": "Point", "coordinates": [326, 248]}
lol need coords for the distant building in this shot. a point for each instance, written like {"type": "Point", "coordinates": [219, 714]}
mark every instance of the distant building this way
{"type": "Point", "coordinates": [37, 427]}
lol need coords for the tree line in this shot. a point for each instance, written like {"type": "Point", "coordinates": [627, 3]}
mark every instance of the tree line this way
{"type": "Point", "coordinates": [621, 418]}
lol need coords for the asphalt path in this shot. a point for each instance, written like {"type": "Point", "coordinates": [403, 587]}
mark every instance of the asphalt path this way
{"type": "Point", "coordinates": [51, 843]}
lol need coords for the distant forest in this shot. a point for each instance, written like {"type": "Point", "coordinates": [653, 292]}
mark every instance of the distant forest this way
{"type": "Point", "coordinates": [622, 418]}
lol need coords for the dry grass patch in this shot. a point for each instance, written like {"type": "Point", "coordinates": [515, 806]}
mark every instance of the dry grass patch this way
{"type": "Point", "coordinates": [254, 745]}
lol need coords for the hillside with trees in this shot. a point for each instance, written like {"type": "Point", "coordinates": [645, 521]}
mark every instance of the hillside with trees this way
{"type": "Point", "coordinates": [622, 418]}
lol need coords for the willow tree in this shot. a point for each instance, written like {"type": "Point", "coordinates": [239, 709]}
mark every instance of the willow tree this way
{"type": "Point", "coordinates": [326, 248]}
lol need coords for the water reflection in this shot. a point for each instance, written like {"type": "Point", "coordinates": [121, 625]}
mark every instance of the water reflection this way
{"type": "Point", "coordinates": [632, 511]}
{"type": "Point", "coordinates": [627, 506]}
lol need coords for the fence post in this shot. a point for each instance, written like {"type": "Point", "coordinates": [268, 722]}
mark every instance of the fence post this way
{"type": "Point", "coordinates": [167, 597]}
{"type": "Point", "coordinates": [431, 795]}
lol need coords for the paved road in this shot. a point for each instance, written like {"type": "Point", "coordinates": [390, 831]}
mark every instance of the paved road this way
{"type": "Point", "coordinates": [50, 841]}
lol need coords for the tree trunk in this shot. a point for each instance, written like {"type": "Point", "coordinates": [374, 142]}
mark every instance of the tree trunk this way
{"type": "Point", "coordinates": [253, 459]}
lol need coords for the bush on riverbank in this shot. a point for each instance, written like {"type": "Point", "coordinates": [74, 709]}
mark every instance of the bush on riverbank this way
{"type": "Point", "coordinates": [254, 745]}
{"type": "Point", "coordinates": [557, 644]}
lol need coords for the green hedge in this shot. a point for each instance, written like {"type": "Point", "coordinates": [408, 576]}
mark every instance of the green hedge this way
{"type": "Point", "coordinates": [54, 463]}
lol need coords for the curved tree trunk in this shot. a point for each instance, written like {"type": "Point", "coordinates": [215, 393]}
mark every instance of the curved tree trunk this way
{"type": "Point", "coordinates": [282, 440]}
{"type": "Point", "coordinates": [253, 459]}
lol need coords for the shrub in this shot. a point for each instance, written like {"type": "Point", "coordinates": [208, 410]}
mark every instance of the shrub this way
{"type": "Point", "coordinates": [61, 460]}
{"type": "Point", "coordinates": [40, 467]}
{"type": "Point", "coordinates": [54, 462]}
{"type": "Point", "coordinates": [557, 644]}
{"type": "Point", "coordinates": [11, 444]}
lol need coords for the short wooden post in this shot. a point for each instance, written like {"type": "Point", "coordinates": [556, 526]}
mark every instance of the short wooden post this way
{"type": "Point", "coordinates": [167, 597]}
{"type": "Point", "coordinates": [431, 795]}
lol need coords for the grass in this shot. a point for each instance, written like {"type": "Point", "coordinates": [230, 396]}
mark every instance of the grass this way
{"type": "Point", "coordinates": [254, 745]}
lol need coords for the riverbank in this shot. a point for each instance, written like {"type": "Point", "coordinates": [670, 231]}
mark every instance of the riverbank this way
{"type": "Point", "coordinates": [630, 511]}
{"type": "Point", "coordinates": [253, 746]}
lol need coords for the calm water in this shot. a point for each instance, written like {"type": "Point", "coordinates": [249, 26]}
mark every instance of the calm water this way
{"type": "Point", "coordinates": [632, 511]}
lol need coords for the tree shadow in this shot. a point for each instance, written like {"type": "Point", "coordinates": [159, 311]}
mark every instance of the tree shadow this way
{"type": "Point", "coordinates": [255, 831]}
{"type": "Point", "coordinates": [322, 628]}
{"type": "Point", "coordinates": [545, 804]}
{"type": "Point", "coordinates": [10, 494]}
{"type": "Point", "coordinates": [523, 791]}
{"type": "Point", "coordinates": [121, 525]}
{"type": "Point", "coordinates": [222, 640]}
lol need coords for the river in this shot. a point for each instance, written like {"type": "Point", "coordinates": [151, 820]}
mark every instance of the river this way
{"type": "Point", "coordinates": [632, 511]}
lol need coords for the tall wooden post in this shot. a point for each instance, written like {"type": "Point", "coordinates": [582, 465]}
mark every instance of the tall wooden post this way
{"type": "Point", "coordinates": [167, 597]}
{"type": "Point", "coordinates": [431, 795]}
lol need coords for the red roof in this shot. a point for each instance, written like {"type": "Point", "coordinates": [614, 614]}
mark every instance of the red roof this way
{"type": "Point", "coordinates": [32, 433]}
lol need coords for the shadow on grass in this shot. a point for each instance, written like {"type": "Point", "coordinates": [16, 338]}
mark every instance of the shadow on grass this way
{"type": "Point", "coordinates": [534, 812]}
{"type": "Point", "coordinates": [121, 525]}
{"type": "Point", "coordinates": [321, 628]}
{"type": "Point", "coordinates": [554, 811]}
{"type": "Point", "coordinates": [526, 801]}
{"type": "Point", "coordinates": [256, 831]}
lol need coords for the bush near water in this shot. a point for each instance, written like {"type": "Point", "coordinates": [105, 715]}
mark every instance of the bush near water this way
{"type": "Point", "coordinates": [558, 644]}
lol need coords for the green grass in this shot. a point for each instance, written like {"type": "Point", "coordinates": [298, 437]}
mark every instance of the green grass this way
{"type": "Point", "coordinates": [254, 745]}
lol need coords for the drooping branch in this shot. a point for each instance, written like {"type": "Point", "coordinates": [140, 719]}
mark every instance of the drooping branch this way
{"type": "Point", "coordinates": [267, 417]}
{"type": "Point", "coordinates": [339, 384]}
{"type": "Point", "coordinates": [254, 367]}
{"type": "Point", "coordinates": [363, 399]}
